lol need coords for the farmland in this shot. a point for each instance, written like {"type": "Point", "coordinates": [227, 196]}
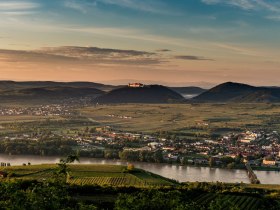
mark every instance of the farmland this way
{"type": "Point", "coordinates": [186, 118]}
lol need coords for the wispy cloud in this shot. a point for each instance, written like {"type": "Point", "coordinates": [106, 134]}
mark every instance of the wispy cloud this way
{"type": "Point", "coordinates": [192, 57]}
{"type": "Point", "coordinates": [150, 6]}
{"type": "Point", "coordinates": [273, 17]}
{"type": "Point", "coordinates": [244, 4]}
{"type": "Point", "coordinates": [17, 5]}
{"type": "Point", "coordinates": [270, 9]}
{"type": "Point", "coordinates": [163, 50]}
{"type": "Point", "coordinates": [83, 55]}
{"type": "Point", "coordinates": [80, 6]}
{"type": "Point", "coordinates": [272, 6]}
{"type": "Point", "coordinates": [136, 34]}
{"type": "Point", "coordinates": [15, 8]}
{"type": "Point", "coordinates": [87, 52]}
{"type": "Point", "coordinates": [237, 49]}
{"type": "Point", "coordinates": [93, 56]}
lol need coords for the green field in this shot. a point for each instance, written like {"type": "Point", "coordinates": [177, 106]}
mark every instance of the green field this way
{"type": "Point", "coordinates": [90, 175]}
{"type": "Point", "coordinates": [187, 119]}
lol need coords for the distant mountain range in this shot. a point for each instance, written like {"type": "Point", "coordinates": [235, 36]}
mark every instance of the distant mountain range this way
{"type": "Point", "coordinates": [239, 93]}
{"type": "Point", "coordinates": [12, 85]}
{"type": "Point", "coordinates": [48, 91]}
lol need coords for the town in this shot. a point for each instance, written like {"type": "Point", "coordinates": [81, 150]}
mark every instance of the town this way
{"type": "Point", "coordinates": [260, 149]}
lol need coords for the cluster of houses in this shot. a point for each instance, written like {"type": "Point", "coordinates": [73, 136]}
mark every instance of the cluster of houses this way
{"type": "Point", "coordinates": [119, 116]}
{"type": "Point", "coordinates": [255, 147]}
{"type": "Point", "coordinates": [44, 110]}
{"type": "Point", "coordinates": [259, 148]}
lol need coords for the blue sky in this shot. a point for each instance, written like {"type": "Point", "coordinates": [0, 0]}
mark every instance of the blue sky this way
{"type": "Point", "coordinates": [204, 40]}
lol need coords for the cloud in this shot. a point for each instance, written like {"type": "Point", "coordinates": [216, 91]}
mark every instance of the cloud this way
{"type": "Point", "coordinates": [273, 17]}
{"type": "Point", "coordinates": [134, 34]}
{"type": "Point", "coordinates": [82, 55]}
{"type": "Point", "coordinates": [18, 8]}
{"type": "Point", "coordinates": [150, 6]}
{"type": "Point", "coordinates": [192, 57]}
{"type": "Point", "coordinates": [18, 5]}
{"type": "Point", "coordinates": [237, 49]}
{"type": "Point", "coordinates": [78, 5]}
{"type": "Point", "coordinates": [270, 9]}
{"type": "Point", "coordinates": [163, 50]}
{"type": "Point", "coordinates": [87, 52]}
{"type": "Point", "coordinates": [272, 6]}
{"type": "Point", "coordinates": [18, 13]}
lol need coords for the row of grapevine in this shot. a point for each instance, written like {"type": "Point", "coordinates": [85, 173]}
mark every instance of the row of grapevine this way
{"type": "Point", "coordinates": [114, 181]}
{"type": "Point", "coordinates": [241, 202]}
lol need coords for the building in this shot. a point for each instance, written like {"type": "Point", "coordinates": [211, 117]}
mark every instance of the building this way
{"type": "Point", "coordinates": [267, 162]}
{"type": "Point", "coordinates": [248, 137]}
{"type": "Point", "coordinates": [135, 85]}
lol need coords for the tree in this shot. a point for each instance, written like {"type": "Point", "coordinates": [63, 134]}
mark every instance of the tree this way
{"type": "Point", "coordinates": [63, 168]}
{"type": "Point", "coordinates": [130, 167]}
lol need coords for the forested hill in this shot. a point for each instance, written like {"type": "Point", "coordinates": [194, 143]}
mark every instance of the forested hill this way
{"type": "Point", "coordinates": [239, 93]}
{"type": "Point", "coordinates": [146, 94]}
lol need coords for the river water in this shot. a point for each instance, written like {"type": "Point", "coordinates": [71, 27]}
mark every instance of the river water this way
{"type": "Point", "coordinates": [179, 173]}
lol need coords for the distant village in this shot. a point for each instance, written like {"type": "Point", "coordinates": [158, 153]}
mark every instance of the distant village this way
{"type": "Point", "coordinates": [45, 110]}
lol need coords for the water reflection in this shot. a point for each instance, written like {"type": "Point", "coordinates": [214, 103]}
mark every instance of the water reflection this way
{"type": "Point", "coordinates": [177, 172]}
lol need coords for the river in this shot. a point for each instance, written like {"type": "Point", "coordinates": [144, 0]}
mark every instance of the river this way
{"type": "Point", "coordinates": [179, 173]}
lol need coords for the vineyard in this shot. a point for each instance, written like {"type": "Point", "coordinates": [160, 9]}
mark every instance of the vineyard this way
{"type": "Point", "coordinates": [240, 202]}
{"type": "Point", "coordinates": [90, 175]}
{"type": "Point", "coordinates": [114, 181]}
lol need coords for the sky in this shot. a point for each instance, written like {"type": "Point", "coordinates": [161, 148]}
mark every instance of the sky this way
{"type": "Point", "coordinates": [173, 42]}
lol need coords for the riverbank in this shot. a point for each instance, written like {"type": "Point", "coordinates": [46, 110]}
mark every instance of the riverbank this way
{"type": "Point", "coordinates": [176, 172]}
{"type": "Point", "coordinates": [236, 167]}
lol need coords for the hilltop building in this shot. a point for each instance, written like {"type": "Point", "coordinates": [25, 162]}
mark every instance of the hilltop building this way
{"type": "Point", "coordinates": [135, 85]}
